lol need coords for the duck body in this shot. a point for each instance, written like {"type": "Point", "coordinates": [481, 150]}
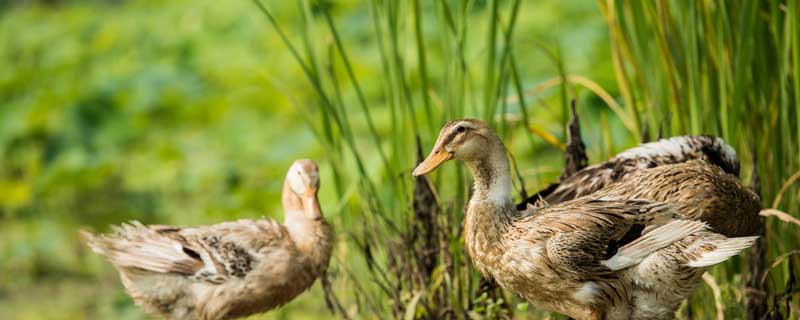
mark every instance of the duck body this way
{"type": "Point", "coordinates": [228, 270]}
{"type": "Point", "coordinates": [587, 257]}
{"type": "Point", "coordinates": [511, 246]}
{"type": "Point", "coordinates": [557, 257]}
{"type": "Point", "coordinates": [245, 267]}
{"type": "Point", "coordinates": [554, 257]}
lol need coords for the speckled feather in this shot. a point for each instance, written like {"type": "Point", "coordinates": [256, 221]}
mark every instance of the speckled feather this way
{"type": "Point", "coordinates": [667, 277]}
{"type": "Point", "coordinates": [699, 191]}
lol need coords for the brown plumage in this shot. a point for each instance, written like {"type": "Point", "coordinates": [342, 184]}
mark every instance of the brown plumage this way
{"type": "Point", "coordinates": [578, 257]}
{"type": "Point", "coordinates": [649, 155]}
{"type": "Point", "coordinates": [228, 270]}
{"type": "Point", "coordinates": [715, 197]}
{"type": "Point", "coordinates": [698, 191]}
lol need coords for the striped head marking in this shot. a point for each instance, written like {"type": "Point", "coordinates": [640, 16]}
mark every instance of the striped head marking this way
{"type": "Point", "coordinates": [459, 139]}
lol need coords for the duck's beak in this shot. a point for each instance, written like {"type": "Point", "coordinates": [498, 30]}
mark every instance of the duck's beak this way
{"type": "Point", "coordinates": [438, 156]}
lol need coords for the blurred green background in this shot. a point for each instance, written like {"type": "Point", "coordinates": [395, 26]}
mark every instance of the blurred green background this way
{"type": "Point", "coordinates": [189, 112]}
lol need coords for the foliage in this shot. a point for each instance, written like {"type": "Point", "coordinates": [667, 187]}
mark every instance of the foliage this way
{"type": "Point", "coordinates": [190, 112]}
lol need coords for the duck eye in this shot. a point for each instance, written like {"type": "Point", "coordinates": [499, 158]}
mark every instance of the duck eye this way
{"type": "Point", "coordinates": [461, 129]}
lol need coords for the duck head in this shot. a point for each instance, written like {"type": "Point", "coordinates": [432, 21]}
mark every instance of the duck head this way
{"type": "Point", "coordinates": [300, 189]}
{"type": "Point", "coordinates": [465, 139]}
{"type": "Point", "coordinates": [473, 142]}
{"type": "Point", "coordinates": [303, 177]}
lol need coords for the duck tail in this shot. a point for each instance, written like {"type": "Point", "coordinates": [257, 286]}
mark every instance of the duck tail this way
{"type": "Point", "coordinates": [98, 243]}
{"type": "Point", "coordinates": [133, 245]}
{"type": "Point", "coordinates": [651, 241]}
{"type": "Point", "coordinates": [724, 249]}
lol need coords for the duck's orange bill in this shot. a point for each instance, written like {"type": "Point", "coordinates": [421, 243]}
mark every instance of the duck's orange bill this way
{"type": "Point", "coordinates": [435, 159]}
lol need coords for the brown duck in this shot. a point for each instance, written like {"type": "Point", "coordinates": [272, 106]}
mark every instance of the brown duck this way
{"type": "Point", "coordinates": [228, 270]}
{"type": "Point", "coordinates": [581, 257]}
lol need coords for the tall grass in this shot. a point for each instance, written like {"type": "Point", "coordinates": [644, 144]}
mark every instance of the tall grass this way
{"type": "Point", "coordinates": [728, 68]}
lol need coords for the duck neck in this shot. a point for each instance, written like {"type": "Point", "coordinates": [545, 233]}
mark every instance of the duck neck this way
{"type": "Point", "coordinates": [492, 176]}
{"type": "Point", "coordinates": [307, 227]}
{"type": "Point", "coordinates": [491, 209]}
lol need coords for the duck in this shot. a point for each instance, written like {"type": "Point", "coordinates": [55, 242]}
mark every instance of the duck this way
{"type": "Point", "coordinates": [713, 150]}
{"type": "Point", "coordinates": [580, 257]}
{"type": "Point", "coordinates": [227, 270]}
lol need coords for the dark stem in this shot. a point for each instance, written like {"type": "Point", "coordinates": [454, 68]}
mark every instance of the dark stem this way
{"type": "Point", "coordinates": [755, 291]}
{"type": "Point", "coordinates": [575, 156]}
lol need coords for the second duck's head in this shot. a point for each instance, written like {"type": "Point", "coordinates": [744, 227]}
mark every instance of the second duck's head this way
{"type": "Point", "coordinates": [303, 177]}
{"type": "Point", "coordinates": [464, 139]}
{"type": "Point", "coordinates": [300, 192]}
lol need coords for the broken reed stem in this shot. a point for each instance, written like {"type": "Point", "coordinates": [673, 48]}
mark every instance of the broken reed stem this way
{"type": "Point", "coordinates": [575, 155]}
{"type": "Point", "coordinates": [645, 132]}
{"type": "Point", "coordinates": [755, 290]}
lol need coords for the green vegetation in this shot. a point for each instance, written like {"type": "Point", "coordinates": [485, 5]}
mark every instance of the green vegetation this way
{"type": "Point", "coordinates": [190, 113]}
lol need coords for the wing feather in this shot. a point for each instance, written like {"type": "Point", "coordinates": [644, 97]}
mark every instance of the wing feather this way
{"type": "Point", "coordinates": [213, 253]}
{"type": "Point", "coordinates": [584, 230]}
{"type": "Point", "coordinates": [136, 246]}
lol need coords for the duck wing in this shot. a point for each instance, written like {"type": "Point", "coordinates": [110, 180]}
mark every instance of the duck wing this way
{"type": "Point", "coordinates": [674, 272]}
{"type": "Point", "coordinates": [212, 254]}
{"type": "Point", "coordinates": [585, 230]}
{"type": "Point", "coordinates": [674, 150]}
{"type": "Point", "coordinates": [698, 191]}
